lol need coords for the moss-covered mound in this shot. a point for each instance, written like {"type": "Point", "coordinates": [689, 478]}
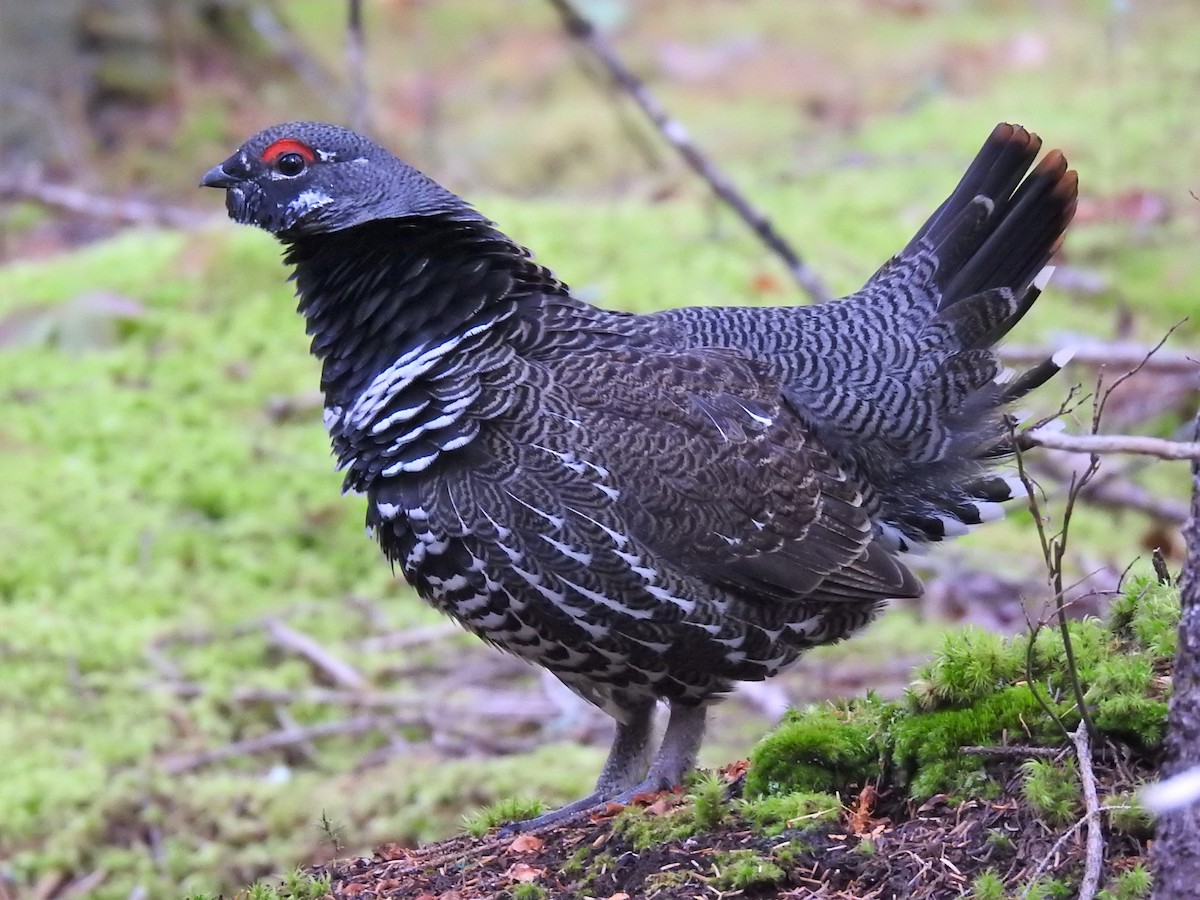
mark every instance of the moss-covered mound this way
{"type": "Point", "coordinates": [980, 697]}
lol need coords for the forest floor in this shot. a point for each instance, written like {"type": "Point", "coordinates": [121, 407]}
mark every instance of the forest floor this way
{"type": "Point", "coordinates": [882, 846]}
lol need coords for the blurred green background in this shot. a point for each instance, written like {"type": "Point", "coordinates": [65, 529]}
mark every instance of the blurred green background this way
{"type": "Point", "coordinates": [170, 523]}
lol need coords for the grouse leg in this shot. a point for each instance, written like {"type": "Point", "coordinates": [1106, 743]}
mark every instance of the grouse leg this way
{"type": "Point", "coordinates": [627, 760]}
{"type": "Point", "coordinates": [677, 755]}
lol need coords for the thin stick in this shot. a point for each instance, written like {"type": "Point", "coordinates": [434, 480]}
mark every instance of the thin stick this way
{"type": "Point", "coordinates": [1094, 860]}
{"type": "Point", "coordinates": [1112, 443]}
{"type": "Point", "coordinates": [339, 671]}
{"type": "Point", "coordinates": [1011, 752]}
{"type": "Point", "coordinates": [276, 740]}
{"type": "Point", "coordinates": [29, 187]}
{"type": "Point", "coordinates": [1118, 354]}
{"type": "Point", "coordinates": [356, 63]}
{"type": "Point", "coordinates": [677, 136]}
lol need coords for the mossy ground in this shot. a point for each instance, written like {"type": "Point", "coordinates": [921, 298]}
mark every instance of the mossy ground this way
{"type": "Point", "coordinates": [156, 506]}
{"type": "Point", "coordinates": [870, 798]}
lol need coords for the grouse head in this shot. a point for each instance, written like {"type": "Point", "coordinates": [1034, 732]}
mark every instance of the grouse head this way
{"type": "Point", "coordinates": [305, 178]}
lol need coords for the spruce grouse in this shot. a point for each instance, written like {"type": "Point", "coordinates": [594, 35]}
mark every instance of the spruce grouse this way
{"type": "Point", "coordinates": [652, 507]}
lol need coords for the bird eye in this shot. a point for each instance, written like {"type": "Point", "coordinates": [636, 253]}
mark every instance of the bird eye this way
{"type": "Point", "coordinates": [290, 164]}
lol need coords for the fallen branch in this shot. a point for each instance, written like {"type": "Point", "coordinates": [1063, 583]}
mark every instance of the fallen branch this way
{"type": "Point", "coordinates": [1118, 354]}
{"type": "Point", "coordinates": [1111, 443]}
{"type": "Point", "coordinates": [360, 119]}
{"type": "Point", "coordinates": [277, 740]}
{"type": "Point", "coordinates": [673, 131]}
{"type": "Point", "coordinates": [1094, 859]}
{"type": "Point", "coordinates": [339, 671]}
{"type": "Point", "coordinates": [1012, 752]}
{"type": "Point", "coordinates": [30, 188]}
{"type": "Point", "coordinates": [1109, 490]}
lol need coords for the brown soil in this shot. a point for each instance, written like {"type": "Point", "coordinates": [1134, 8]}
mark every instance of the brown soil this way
{"type": "Point", "coordinates": [883, 847]}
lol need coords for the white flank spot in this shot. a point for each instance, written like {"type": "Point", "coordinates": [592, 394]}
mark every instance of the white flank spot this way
{"type": "Point", "coordinates": [454, 443]}
{"type": "Point", "coordinates": [580, 556]}
{"type": "Point", "coordinates": [472, 604]}
{"type": "Point", "coordinates": [420, 464]}
{"type": "Point", "coordinates": [617, 538]}
{"type": "Point", "coordinates": [555, 521]}
{"type": "Point", "coordinates": [330, 416]}
{"type": "Point", "coordinates": [400, 415]}
{"type": "Point", "coordinates": [433, 545]}
{"type": "Point", "coordinates": [501, 532]}
{"type": "Point", "coordinates": [529, 577]}
{"type": "Point", "coordinates": [667, 597]}
{"type": "Point", "coordinates": [1016, 487]}
{"type": "Point", "coordinates": [761, 420]}
{"type": "Point", "coordinates": [1042, 278]}
{"type": "Point", "coordinates": [952, 527]}
{"type": "Point", "coordinates": [490, 621]}
{"type": "Point", "coordinates": [1063, 356]}
{"type": "Point", "coordinates": [514, 556]}
{"type": "Point", "coordinates": [387, 510]}
{"type": "Point", "coordinates": [989, 512]}
{"type": "Point", "coordinates": [385, 386]}
{"type": "Point", "coordinates": [453, 583]}
{"type": "Point", "coordinates": [611, 492]}
{"type": "Point", "coordinates": [608, 601]}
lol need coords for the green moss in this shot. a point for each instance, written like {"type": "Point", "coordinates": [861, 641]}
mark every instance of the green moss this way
{"type": "Point", "coordinates": [709, 801]}
{"type": "Point", "coordinates": [821, 750]}
{"type": "Point", "coordinates": [1126, 815]}
{"type": "Point", "coordinates": [745, 870]}
{"type": "Point", "coordinates": [975, 693]}
{"type": "Point", "coordinates": [971, 664]}
{"type": "Point", "coordinates": [1050, 889]}
{"type": "Point", "coordinates": [987, 886]}
{"type": "Point", "coordinates": [1131, 885]}
{"type": "Point", "coordinates": [665, 881]}
{"type": "Point", "coordinates": [1052, 789]}
{"type": "Point", "coordinates": [528, 891]}
{"type": "Point", "coordinates": [599, 867]}
{"type": "Point", "coordinates": [790, 853]}
{"type": "Point", "coordinates": [509, 809]}
{"type": "Point", "coordinates": [773, 813]}
{"type": "Point", "coordinates": [645, 830]}
{"type": "Point", "coordinates": [298, 885]}
{"type": "Point", "coordinates": [926, 746]}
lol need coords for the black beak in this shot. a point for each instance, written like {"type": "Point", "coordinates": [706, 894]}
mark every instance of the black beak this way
{"type": "Point", "coordinates": [217, 177]}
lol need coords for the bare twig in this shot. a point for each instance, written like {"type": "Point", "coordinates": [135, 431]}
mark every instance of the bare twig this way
{"type": "Point", "coordinates": [1095, 838]}
{"type": "Point", "coordinates": [412, 637]}
{"type": "Point", "coordinates": [1111, 443]}
{"type": "Point", "coordinates": [266, 19]}
{"type": "Point", "coordinates": [277, 740]}
{"type": "Point", "coordinates": [1012, 752]}
{"type": "Point", "coordinates": [582, 30]}
{"type": "Point", "coordinates": [29, 187]}
{"type": "Point", "coordinates": [1117, 354]}
{"type": "Point", "coordinates": [1111, 491]}
{"type": "Point", "coordinates": [356, 63]}
{"type": "Point", "coordinates": [339, 671]}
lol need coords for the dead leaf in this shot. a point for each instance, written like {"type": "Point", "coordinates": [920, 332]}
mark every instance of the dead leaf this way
{"type": "Point", "coordinates": [523, 872]}
{"type": "Point", "coordinates": [526, 843]}
{"type": "Point", "coordinates": [664, 804]}
{"type": "Point", "coordinates": [735, 770]}
{"type": "Point", "coordinates": [860, 816]}
{"type": "Point", "coordinates": [620, 895]}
